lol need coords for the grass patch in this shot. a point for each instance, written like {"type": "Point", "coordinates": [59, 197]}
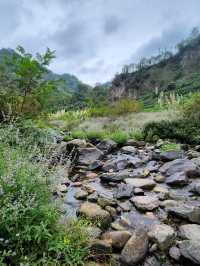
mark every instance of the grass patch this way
{"type": "Point", "coordinates": [170, 147]}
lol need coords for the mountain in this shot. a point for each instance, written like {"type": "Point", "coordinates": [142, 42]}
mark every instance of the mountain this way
{"type": "Point", "coordinates": [163, 74]}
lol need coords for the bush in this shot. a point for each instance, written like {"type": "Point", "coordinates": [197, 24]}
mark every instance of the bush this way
{"type": "Point", "coordinates": [185, 131]}
{"type": "Point", "coordinates": [30, 232]}
{"type": "Point", "coordinates": [191, 107]}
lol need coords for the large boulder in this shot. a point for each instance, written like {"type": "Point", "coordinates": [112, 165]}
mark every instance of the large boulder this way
{"type": "Point", "coordinates": [140, 183]}
{"type": "Point", "coordinates": [95, 213]}
{"type": "Point", "coordinates": [135, 249]}
{"type": "Point", "coordinates": [117, 239]}
{"type": "Point", "coordinates": [163, 235]}
{"type": "Point", "coordinates": [146, 203]}
{"type": "Point", "coordinates": [190, 250]}
{"type": "Point", "coordinates": [180, 165]}
{"type": "Point", "coordinates": [88, 156]}
{"type": "Point", "coordinates": [190, 232]}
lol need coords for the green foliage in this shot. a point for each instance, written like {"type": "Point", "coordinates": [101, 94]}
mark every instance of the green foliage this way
{"type": "Point", "coordinates": [30, 233]}
{"type": "Point", "coordinates": [170, 147]}
{"type": "Point", "coordinates": [191, 107]}
{"type": "Point", "coordinates": [185, 131]}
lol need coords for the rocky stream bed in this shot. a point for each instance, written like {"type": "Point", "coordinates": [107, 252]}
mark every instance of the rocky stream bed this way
{"type": "Point", "coordinates": [145, 204]}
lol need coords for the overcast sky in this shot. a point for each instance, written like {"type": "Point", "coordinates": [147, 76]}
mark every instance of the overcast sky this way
{"type": "Point", "coordinates": [93, 39]}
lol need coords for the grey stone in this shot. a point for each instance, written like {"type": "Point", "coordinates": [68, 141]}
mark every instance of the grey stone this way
{"type": "Point", "coordinates": [140, 183]}
{"type": "Point", "coordinates": [129, 150]}
{"type": "Point", "coordinates": [171, 155]}
{"type": "Point", "coordinates": [190, 232]}
{"type": "Point", "coordinates": [123, 191]}
{"type": "Point", "coordinates": [88, 156]}
{"type": "Point", "coordinates": [177, 179]}
{"type": "Point", "coordinates": [174, 253]}
{"type": "Point", "coordinates": [115, 176]}
{"type": "Point", "coordinates": [81, 194]}
{"type": "Point", "coordinates": [117, 239]}
{"type": "Point", "coordinates": [135, 249]}
{"type": "Point", "coordinates": [107, 145]}
{"type": "Point", "coordinates": [163, 235]}
{"type": "Point", "coordinates": [190, 250]}
{"type": "Point", "coordinates": [146, 203]}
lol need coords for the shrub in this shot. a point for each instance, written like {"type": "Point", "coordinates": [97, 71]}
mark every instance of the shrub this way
{"type": "Point", "coordinates": [185, 131]}
{"type": "Point", "coordinates": [170, 147]}
{"type": "Point", "coordinates": [30, 232]}
{"type": "Point", "coordinates": [191, 107]}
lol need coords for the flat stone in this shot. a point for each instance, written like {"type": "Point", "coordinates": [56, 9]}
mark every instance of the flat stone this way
{"type": "Point", "coordinates": [171, 155]}
{"type": "Point", "coordinates": [162, 190]}
{"type": "Point", "coordinates": [159, 178]}
{"type": "Point", "coordinates": [138, 191]}
{"type": "Point", "coordinates": [105, 201]}
{"type": "Point", "coordinates": [196, 188]}
{"type": "Point", "coordinates": [88, 156]}
{"type": "Point", "coordinates": [117, 239]}
{"type": "Point", "coordinates": [96, 165]}
{"type": "Point", "coordinates": [190, 250]}
{"type": "Point", "coordinates": [135, 249]}
{"type": "Point", "coordinates": [123, 191]}
{"type": "Point", "coordinates": [93, 197]}
{"type": "Point", "coordinates": [146, 203]}
{"type": "Point", "coordinates": [140, 183]}
{"type": "Point", "coordinates": [140, 173]}
{"type": "Point", "coordinates": [107, 145]}
{"type": "Point", "coordinates": [95, 213]}
{"type": "Point", "coordinates": [163, 235]}
{"type": "Point", "coordinates": [177, 179]}
{"type": "Point", "coordinates": [81, 194]}
{"type": "Point", "coordinates": [180, 165]}
{"type": "Point", "coordinates": [129, 150]}
{"type": "Point", "coordinates": [115, 176]}
{"type": "Point", "coordinates": [190, 232]}
{"type": "Point", "coordinates": [186, 211]}
{"type": "Point", "coordinates": [125, 206]}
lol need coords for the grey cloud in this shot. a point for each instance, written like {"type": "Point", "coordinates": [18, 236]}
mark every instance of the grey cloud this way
{"type": "Point", "coordinates": [111, 25]}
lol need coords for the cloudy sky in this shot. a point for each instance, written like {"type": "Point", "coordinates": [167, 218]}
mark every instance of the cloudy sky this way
{"type": "Point", "coordinates": [93, 39]}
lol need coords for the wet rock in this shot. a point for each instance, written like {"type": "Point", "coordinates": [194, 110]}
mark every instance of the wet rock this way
{"type": "Point", "coordinates": [117, 239]}
{"type": "Point", "coordinates": [115, 177]}
{"type": "Point", "coordinates": [140, 183]}
{"type": "Point", "coordinates": [87, 156]}
{"type": "Point", "coordinates": [123, 191]}
{"type": "Point", "coordinates": [129, 150]}
{"type": "Point", "coordinates": [125, 206]}
{"type": "Point", "coordinates": [180, 165]}
{"type": "Point", "coordinates": [135, 249]}
{"type": "Point", "coordinates": [107, 146]}
{"type": "Point", "coordinates": [171, 155]}
{"type": "Point", "coordinates": [174, 253]}
{"type": "Point", "coordinates": [81, 194]}
{"type": "Point", "coordinates": [163, 235]}
{"type": "Point", "coordinates": [104, 201]}
{"type": "Point", "coordinates": [100, 248]}
{"type": "Point", "coordinates": [177, 179]}
{"type": "Point", "coordinates": [190, 232]}
{"type": "Point", "coordinates": [185, 211]}
{"type": "Point", "coordinates": [146, 203]}
{"type": "Point", "coordinates": [96, 165]}
{"type": "Point", "coordinates": [95, 213]}
{"type": "Point", "coordinates": [190, 250]}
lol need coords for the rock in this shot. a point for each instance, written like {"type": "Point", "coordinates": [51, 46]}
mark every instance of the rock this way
{"type": "Point", "coordinates": [140, 173]}
{"type": "Point", "coordinates": [196, 188]}
{"type": "Point", "coordinates": [62, 188]}
{"type": "Point", "coordinates": [192, 154]}
{"type": "Point", "coordinates": [112, 211]}
{"type": "Point", "coordinates": [93, 197]}
{"type": "Point", "coordinates": [185, 211]}
{"type": "Point", "coordinates": [78, 143]}
{"type": "Point", "coordinates": [190, 250]}
{"type": "Point", "coordinates": [115, 177]}
{"type": "Point", "coordinates": [146, 203]}
{"type": "Point", "coordinates": [163, 235]}
{"type": "Point", "coordinates": [129, 150]}
{"type": "Point", "coordinates": [170, 155]}
{"type": "Point", "coordinates": [138, 191]}
{"type": "Point", "coordinates": [180, 165]}
{"type": "Point", "coordinates": [177, 179]}
{"type": "Point", "coordinates": [174, 253]}
{"type": "Point", "coordinates": [123, 191]}
{"type": "Point", "coordinates": [81, 194]}
{"type": "Point", "coordinates": [152, 261]}
{"type": "Point", "coordinates": [132, 142]}
{"type": "Point", "coordinates": [152, 166]}
{"type": "Point", "coordinates": [190, 232]}
{"type": "Point", "coordinates": [100, 248]}
{"type": "Point", "coordinates": [93, 232]}
{"type": "Point", "coordinates": [104, 201]}
{"type": "Point", "coordinates": [95, 213]}
{"type": "Point", "coordinates": [107, 145]}
{"type": "Point", "coordinates": [117, 239]}
{"type": "Point", "coordinates": [92, 263]}
{"type": "Point", "coordinates": [159, 178]}
{"type": "Point", "coordinates": [87, 156]}
{"type": "Point", "coordinates": [125, 206]}
{"type": "Point", "coordinates": [95, 165]}
{"type": "Point", "coordinates": [135, 249]}
{"type": "Point", "coordinates": [140, 183]}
